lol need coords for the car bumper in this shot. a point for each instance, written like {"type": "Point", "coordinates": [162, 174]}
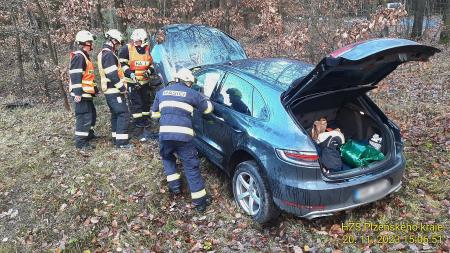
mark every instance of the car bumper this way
{"type": "Point", "coordinates": [316, 199]}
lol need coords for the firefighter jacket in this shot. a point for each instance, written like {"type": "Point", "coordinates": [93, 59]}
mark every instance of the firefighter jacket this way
{"type": "Point", "coordinates": [135, 60]}
{"type": "Point", "coordinates": [111, 73]}
{"type": "Point", "coordinates": [174, 105]}
{"type": "Point", "coordinates": [81, 74]}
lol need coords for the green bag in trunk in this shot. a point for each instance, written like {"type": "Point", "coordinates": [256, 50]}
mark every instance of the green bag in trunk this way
{"type": "Point", "coordinates": [357, 154]}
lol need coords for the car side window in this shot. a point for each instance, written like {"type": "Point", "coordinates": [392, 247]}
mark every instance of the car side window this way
{"type": "Point", "coordinates": [260, 109]}
{"type": "Point", "coordinates": [207, 81]}
{"type": "Point", "coordinates": [236, 93]}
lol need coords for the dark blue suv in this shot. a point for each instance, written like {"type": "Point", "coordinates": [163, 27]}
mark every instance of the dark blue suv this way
{"type": "Point", "coordinates": [263, 110]}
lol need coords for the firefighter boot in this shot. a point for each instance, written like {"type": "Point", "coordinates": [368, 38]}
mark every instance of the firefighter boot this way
{"type": "Point", "coordinates": [201, 208]}
{"type": "Point", "coordinates": [139, 122]}
{"type": "Point", "coordinates": [92, 135]}
{"type": "Point", "coordinates": [175, 191]}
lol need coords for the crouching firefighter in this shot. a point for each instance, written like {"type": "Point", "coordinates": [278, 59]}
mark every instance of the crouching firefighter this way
{"type": "Point", "coordinates": [114, 88]}
{"type": "Point", "coordinates": [82, 88]}
{"type": "Point", "coordinates": [174, 106]}
{"type": "Point", "coordinates": [136, 62]}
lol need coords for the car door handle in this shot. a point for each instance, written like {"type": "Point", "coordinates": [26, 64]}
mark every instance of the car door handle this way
{"type": "Point", "coordinates": [237, 130]}
{"type": "Point", "coordinates": [219, 118]}
{"type": "Point", "coordinates": [212, 115]}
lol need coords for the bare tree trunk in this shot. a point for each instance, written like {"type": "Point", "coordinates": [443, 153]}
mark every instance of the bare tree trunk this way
{"type": "Point", "coordinates": [445, 33]}
{"type": "Point", "coordinates": [53, 53]}
{"type": "Point", "coordinates": [120, 21]}
{"type": "Point", "coordinates": [207, 6]}
{"type": "Point", "coordinates": [37, 66]}
{"type": "Point", "coordinates": [98, 8]}
{"type": "Point", "coordinates": [19, 58]}
{"type": "Point", "coordinates": [224, 5]}
{"type": "Point", "coordinates": [419, 12]}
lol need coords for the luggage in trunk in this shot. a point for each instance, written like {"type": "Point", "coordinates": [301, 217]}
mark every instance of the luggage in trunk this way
{"type": "Point", "coordinates": [344, 109]}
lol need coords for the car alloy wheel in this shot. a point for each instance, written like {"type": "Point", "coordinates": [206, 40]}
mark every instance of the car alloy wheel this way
{"type": "Point", "coordinates": [252, 193]}
{"type": "Point", "coordinates": [248, 193]}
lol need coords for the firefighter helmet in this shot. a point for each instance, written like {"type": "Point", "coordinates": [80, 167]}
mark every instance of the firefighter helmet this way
{"type": "Point", "coordinates": [139, 34]}
{"type": "Point", "coordinates": [186, 75]}
{"type": "Point", "coordinates": [114, 34]}
{"type": "Point", "coordinates": [84, 36]}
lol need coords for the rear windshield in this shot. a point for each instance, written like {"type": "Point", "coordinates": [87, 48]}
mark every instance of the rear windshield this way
{"type": "Point", "coordinates": [281, 72]}
{"type": "Point", "coordinates": [191, 46]}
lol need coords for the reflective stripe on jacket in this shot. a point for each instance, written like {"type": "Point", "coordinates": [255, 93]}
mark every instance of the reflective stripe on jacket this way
{"type": "Point", "coordinates": [174, 105]}
{"type": "Point", "coordinates": [139, 63]}
{"type": "Point", "coordinates": [87, 79]}
{"type": "Point", "coordinates": [111, 73]}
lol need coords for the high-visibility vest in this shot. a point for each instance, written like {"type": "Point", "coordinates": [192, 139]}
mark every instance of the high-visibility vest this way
{"type": "Point", "coordinates": [87, 80]}
{"type": "Point", "coordinates": [104, 80]}
{"type": "Point", "coordinates": [139, 63]}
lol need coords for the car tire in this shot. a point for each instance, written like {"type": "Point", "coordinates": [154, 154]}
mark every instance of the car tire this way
{"type": "Point", "coordinates": [248, 184]}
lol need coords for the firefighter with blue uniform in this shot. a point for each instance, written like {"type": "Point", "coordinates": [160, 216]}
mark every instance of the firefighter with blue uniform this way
{"type": "Point", "coordinates": [83, 88]}
{"type": "Point", "coordinates": [174, 106]}
{"type": "Point", "coordinates": [114, 88]}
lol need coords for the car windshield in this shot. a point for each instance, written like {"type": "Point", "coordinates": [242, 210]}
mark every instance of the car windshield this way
{"type": "Point", "coordinates": [192, 45]}
{"type": "Point", "coordinates": [281, 72]}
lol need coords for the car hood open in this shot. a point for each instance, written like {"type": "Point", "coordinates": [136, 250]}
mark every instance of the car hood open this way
{"type": "Point", "coordinates": [189, 46]}
{"type": "Point", "coordinates": [359, 64]}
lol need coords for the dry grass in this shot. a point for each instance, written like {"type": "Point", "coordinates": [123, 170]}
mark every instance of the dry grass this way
{"type": "Point", "coordinates": [111, 200]}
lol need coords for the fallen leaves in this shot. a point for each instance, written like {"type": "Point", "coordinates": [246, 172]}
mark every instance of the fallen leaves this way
{"type": "Point", "coordinates": [94, 220]}
{"type": "Point", "coordinates": [12, 213]}
{"type": "Point", "coordinates": [196, 248]}
{"type": "Point", "coordinates": [398, 246]}
{"type": "Point", "coordinates": [104, 232]}
{"type": "Point", "coordinates": [106, 194]}
{"type": "Point", "coordinates": [297, 249]}
{"type": "Point", "coordinates": [336, 230]}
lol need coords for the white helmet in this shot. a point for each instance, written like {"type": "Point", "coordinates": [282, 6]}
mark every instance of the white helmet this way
{"type": "Point", "coordinates": [83, 36]}
{"type": "Point", "coordinates": [114, 34]}
{"type": "Point", "coordinates": [139, 34]}
{"type": "Point", "coordinates": [185, 74]}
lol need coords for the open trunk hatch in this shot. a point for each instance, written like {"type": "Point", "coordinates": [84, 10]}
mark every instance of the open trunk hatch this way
{"type": "Point", "coordinates": [359, 64]}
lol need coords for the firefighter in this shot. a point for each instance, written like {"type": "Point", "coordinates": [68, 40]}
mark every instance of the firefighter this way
{"type": "Point", "coordinates": [83, 88]}
{"type": "Point", "coordinates": [174, 106]}
{"type": "Point", "coordinates": [114, 88]}
{"type": "Point", "coordinates": [136, 62]}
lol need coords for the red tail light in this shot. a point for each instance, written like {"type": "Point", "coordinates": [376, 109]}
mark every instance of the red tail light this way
{"type": "Point", "coordinates": [304, 158]}
{"type": "Point", "coordinates": [309, 157]}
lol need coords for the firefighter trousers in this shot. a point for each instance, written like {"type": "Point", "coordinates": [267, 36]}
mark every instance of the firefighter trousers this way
{"type": "Point", "coordinates": [141, 97]}
{"type": "Point", "coordinates": [120, 117]}
{"type": "Point", "coordinates": [187, 152]}
{"type": "Point", "coordinates": [85, 119]}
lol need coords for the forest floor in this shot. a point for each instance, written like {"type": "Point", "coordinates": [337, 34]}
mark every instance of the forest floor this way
{"type": "Point", "coordinates": [54, 198]}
